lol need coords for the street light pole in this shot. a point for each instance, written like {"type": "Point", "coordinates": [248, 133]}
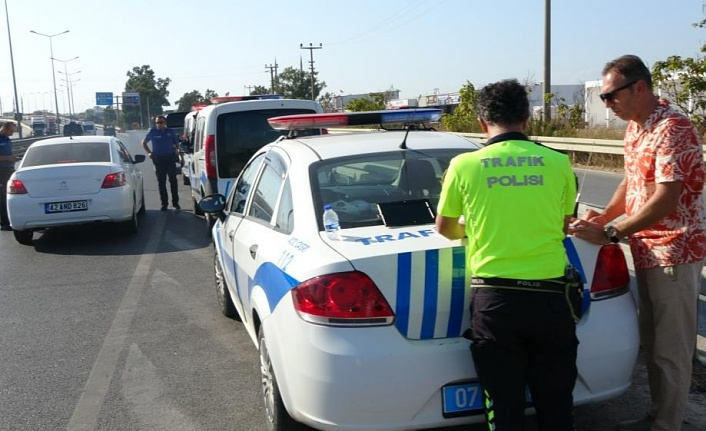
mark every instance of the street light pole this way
{"type": "Point", "coordinates": [53, 74]}
{"type": "Point", "coordinates": [66, 73]}
{"type": "Point", "coordinates": [70, 83]}
{"type": "Point", "coordinates": [18, 113]}
{"type": "Point", "coordinates": [311, 49]}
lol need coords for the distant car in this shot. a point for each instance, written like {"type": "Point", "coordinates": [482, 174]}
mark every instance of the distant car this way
{"type": "Point", "coordinates": [109, 131]}
{"type": "Point", "coordinates": [73, 129]}
{"type": "Point", "coordinates": [89, 128]}
{"type": "Point", "coordinates": [73, 181]}
{"type": "Point", "coordinates": [364, 332]}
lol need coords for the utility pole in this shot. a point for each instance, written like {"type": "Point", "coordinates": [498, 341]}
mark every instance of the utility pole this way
{"type": "Point", "coordinates": [547, 60]}
{"type": "Point", "coordinates": [272, 77]}
{"type": "Point", "coordinates": [117, 111]}
{"type": "Point", "coordinates": [248, 88]}
{"type": "Point", "coordinates": [311, 49]}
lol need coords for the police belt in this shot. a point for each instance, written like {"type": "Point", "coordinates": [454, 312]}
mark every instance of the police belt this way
{"type": "Point", "coordinates": [555, 285]}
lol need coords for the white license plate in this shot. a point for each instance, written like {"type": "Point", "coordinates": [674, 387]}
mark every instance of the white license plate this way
{"type": "Point", "coordinates": [466, 399]}
{"type": "Point", "coordinates": [62, 207]}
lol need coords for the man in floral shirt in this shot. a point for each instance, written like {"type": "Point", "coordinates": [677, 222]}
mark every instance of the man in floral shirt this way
{"type": "Point", "coordinates": [661, 196]}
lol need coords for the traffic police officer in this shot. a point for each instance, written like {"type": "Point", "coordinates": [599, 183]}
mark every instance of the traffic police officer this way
{"type": "Point", "coordinates": [164, 156]}
{"type": "Point", "coordinates": [516, 198]}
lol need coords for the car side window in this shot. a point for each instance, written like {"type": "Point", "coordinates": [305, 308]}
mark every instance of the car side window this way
{"type": "Point", "coordinates": [124, 153]}
{"type": "Point", "coordinates": [264, 200]}
{"type": "Point", "coordinates": [244, 184]}
{"type": "Point", "coordinates": [285, 212]}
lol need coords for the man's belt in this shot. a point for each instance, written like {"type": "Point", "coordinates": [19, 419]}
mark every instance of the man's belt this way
{"type": "Point", "coordinates": [546, 285]}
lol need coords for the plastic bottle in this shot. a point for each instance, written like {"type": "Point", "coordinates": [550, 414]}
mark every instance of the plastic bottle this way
{"type": "Point", "coordinates": [331, 223]}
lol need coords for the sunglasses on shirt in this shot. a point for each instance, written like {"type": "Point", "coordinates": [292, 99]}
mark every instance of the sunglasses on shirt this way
{"type": "Point", "coordinates": [609, 97]}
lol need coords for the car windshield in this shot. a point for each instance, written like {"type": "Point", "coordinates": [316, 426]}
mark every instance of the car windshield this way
{"type": "Point", "coordinates": [355, 185]}
{"type": "Point", "coordinates": [72, 152]}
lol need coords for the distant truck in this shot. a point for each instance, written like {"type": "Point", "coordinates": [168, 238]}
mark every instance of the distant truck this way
{"type": "Point", "coordinates": [38, 125]}
{"type": "Point", "coordinates": [52, 129]}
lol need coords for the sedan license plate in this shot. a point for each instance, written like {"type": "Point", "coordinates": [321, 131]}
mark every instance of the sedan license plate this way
{"type": "Point", "coordinates": [62, 207]}
{"type": "Point", "coordinates": [466, 399]}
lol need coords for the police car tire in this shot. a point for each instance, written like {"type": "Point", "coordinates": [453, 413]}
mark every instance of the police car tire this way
{"type": "Point", "coordinates": [186, 180]}
{"type": "Point", "coordinates": [276, 414]}
{"type": "Point", "coordinates": [222, 293]}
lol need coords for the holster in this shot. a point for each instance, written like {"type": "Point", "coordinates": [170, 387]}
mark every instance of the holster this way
{"type": "Point", "coordinates": [573, 291]}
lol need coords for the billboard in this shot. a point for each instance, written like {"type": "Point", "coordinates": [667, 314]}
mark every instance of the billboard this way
{"type": "Point", "coordinates": [131, 98]}
{"type": "Point", "coordinates": [104, 99]}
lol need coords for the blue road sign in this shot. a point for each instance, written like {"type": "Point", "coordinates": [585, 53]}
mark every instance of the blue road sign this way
{"type": "Point", "coordinates": [104, 99]}
{"type": "Point", "coordinates": [131, 98]}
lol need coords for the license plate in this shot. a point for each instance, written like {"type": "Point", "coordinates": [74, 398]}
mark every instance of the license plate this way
{"type": "Point", "coordinates": [465, 399]}
{"type": "Point", "coordinates": [62, 207]}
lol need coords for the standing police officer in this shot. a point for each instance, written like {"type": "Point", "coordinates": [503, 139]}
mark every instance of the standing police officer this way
{"type": "Point", "coordinates": [165, 146]}
{"type": "Point", "coordinates": [516, 198]}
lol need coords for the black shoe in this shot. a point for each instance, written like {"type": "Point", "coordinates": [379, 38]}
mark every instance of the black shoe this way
{"type": "Point", "coordinates": [177, 207]}
{"type": "Point", "coordinates": [6, 227]}
{"type": "Point", "coordinates": [164, 208]}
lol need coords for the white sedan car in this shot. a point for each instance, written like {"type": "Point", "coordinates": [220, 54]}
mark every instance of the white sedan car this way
{"type": "Point", "coordinates": [364, 332]}
{"type": "Point", "coordinates": [75, 180]}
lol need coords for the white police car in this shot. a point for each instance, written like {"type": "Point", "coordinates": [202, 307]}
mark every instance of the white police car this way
{"type": "Point", "coordinates": [365, 332]}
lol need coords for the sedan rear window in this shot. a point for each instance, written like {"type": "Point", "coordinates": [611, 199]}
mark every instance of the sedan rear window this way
{"type": "Point", "coordinates": [355, 185]}
{"type": "Point", "coordinates": [72, 152]}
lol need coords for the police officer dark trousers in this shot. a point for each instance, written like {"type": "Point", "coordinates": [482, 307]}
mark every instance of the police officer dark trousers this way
{"type": "Point", "coordinates": [521, 335]}
{"type": "Point", "coordinates": [165, 167]}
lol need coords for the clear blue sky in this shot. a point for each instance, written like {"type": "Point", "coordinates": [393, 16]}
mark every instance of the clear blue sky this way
{"type": "Point", "coordinates": [414, 46]}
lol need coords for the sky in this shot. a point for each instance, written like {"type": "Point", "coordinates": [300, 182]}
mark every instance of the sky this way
{"type": "Point", "coordinates": [414, 46]}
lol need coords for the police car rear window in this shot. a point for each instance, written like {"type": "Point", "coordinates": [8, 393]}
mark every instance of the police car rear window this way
{"type": "Point", "coordinates": [355, 186]}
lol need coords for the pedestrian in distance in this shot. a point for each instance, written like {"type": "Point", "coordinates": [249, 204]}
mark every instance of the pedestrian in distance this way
{"type": "Point", "coordinates": [164, 154]}
{"type": "Point", "coordinates": [523, 333]}
{"type": "Point", "coordinates": [7, 167]}
{"type": "Point", "coordinates": [661, 197]}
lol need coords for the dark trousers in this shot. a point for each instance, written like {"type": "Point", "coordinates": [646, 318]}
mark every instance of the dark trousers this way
{"type": "Point", "coordinates": [165, 166]}
{"type": "Point", "coordinates": [5, 174]}
{"type": "Point", "coordinates": [524, 339]}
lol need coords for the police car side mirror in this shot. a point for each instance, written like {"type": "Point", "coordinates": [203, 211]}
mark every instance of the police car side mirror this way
{"type": "Point", "coordinates": [213, 204]}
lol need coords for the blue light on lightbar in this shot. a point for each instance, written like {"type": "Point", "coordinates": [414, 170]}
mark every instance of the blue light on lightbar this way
{"type": "Point", "coordinates": [408, 116]}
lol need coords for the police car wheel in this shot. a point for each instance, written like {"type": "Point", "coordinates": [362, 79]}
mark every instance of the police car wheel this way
{"type": "Point", "coordinates": [276, 414]}
{"type": "Point", "coordinates": [224, 299]}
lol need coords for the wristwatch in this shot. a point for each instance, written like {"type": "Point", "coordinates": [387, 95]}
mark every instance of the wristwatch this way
{"type": "Point", "coordinates": [612, 234]}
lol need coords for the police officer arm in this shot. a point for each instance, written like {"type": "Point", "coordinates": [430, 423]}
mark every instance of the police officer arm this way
{"type": "Point", "coordinates": [146, 148]}
{"type": "Point", "coordinates": [450, 227]}
{"type": "Point", "coordinates": [9, 158]}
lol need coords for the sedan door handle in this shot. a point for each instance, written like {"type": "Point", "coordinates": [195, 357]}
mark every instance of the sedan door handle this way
{"type": "Point", "coordinates": [253, 250]}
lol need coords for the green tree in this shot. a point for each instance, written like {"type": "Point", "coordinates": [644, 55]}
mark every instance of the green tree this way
{"type": "Point", "coordinates": [683, 84]}
{"type": "Point", "coordinates": [296, 84]}
{"type": "Point", "coordinates": [153, 93]}
{"type": "Point", "coordinates": [109, 116]}
{"type": "Point", "coordinates": [328, 102]}
{"type": "Point", "coordinates": [465, 116]}
{"type": "Point", "coordinates": [188, 100]}
{"type": "Point", "coordinates": [259, 89]}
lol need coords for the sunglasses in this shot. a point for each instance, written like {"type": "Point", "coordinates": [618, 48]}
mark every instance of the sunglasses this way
{"type": "Point", "coordinates": [160, 122]}
{"type": "Point", "coordinates": [609, 97]}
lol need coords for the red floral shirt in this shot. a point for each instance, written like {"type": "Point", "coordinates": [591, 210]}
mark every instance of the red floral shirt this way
{"type": "Point", "coordinates": [666, 148]}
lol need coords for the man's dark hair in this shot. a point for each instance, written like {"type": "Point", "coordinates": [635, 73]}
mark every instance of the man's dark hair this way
{"type": "Point", "coordinates": [631, 67]}
{"type": "Point", "coordinates": [504, 103]}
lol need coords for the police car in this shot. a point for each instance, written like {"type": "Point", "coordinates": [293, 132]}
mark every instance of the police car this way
{"type": "Point", "coordinates": [362, 329]}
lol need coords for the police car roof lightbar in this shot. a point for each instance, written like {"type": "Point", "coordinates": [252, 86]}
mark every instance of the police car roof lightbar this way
{"type": "Point", "coordinates": [223, 99]}
{"type": "Point", "coordinates": [340, 119]}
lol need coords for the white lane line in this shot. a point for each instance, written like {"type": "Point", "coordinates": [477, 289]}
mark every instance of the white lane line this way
{"type": "Point", "coordinates": [85, 415]}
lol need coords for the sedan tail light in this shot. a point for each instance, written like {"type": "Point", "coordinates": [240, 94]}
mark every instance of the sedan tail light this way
{"type": "Point", "coordinates": [116, 179]}
{"type": "Point", "coordinates": [342, 299]}
{"type": "Point", "coordinates": [15, 187]}
{"type": "Point", "coordinates": [611, 277]}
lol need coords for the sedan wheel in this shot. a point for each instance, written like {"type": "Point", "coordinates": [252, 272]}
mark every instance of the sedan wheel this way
{"type": "Point", "coordinates": [277, 417]}
{"type": "Point", "coordinates": [24, 237]}
{"type": "Point", "coordinates": [130, 226]}
{"type": "Point", "coordinates": [224, 300]}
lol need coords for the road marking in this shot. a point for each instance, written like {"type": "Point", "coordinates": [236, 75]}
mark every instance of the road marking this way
{"type": "Point", "coordinates": [85, 415]}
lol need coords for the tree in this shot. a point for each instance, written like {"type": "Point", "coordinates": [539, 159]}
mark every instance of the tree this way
{"type": "Point", "coordinates": [683, 83]}
{"type": "Point", "coordinates": [374, 102]}
{"type": "Point", "coordinates": [328, 102]}
{"type": "Point", "coordinates": [259, 89]}
{"type": "Point", "coordinates": [188, 100]}
{"type": "Point", "coordinates": [465, 116]}
{"type": "Point", "coordinates": [109, 116]}
{"type": "Point", "coordinates": [153, 95]}
{"type": "Point", "coordinates": [296, 84]}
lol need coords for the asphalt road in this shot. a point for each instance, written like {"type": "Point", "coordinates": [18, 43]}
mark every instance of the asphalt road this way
{"type": "Point", "coordinates": [102, 331]}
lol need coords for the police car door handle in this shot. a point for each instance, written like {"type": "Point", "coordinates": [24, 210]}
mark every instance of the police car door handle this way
{"type": "Point", "coordinates": [231, 234]}
{"type": "Point", "coordinates": [253, 250]}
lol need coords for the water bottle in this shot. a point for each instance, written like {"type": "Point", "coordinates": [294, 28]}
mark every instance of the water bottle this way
{"type": "Point", "coordinates": [331, 223]}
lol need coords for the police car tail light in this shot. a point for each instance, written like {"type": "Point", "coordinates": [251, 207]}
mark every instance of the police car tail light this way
{"type": "Point", "coordinates": [209, 148]}
{"type": "Point", "coordinates": [610, 277]}
{"type": "Point", "coordinates": [113, 180]}
{"type": "Point", "coordinates": [16, 187]}
{"type": "Point", "coordinates": [342, 299]}
{"type": "Point", "coordinates": [340, 119]}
